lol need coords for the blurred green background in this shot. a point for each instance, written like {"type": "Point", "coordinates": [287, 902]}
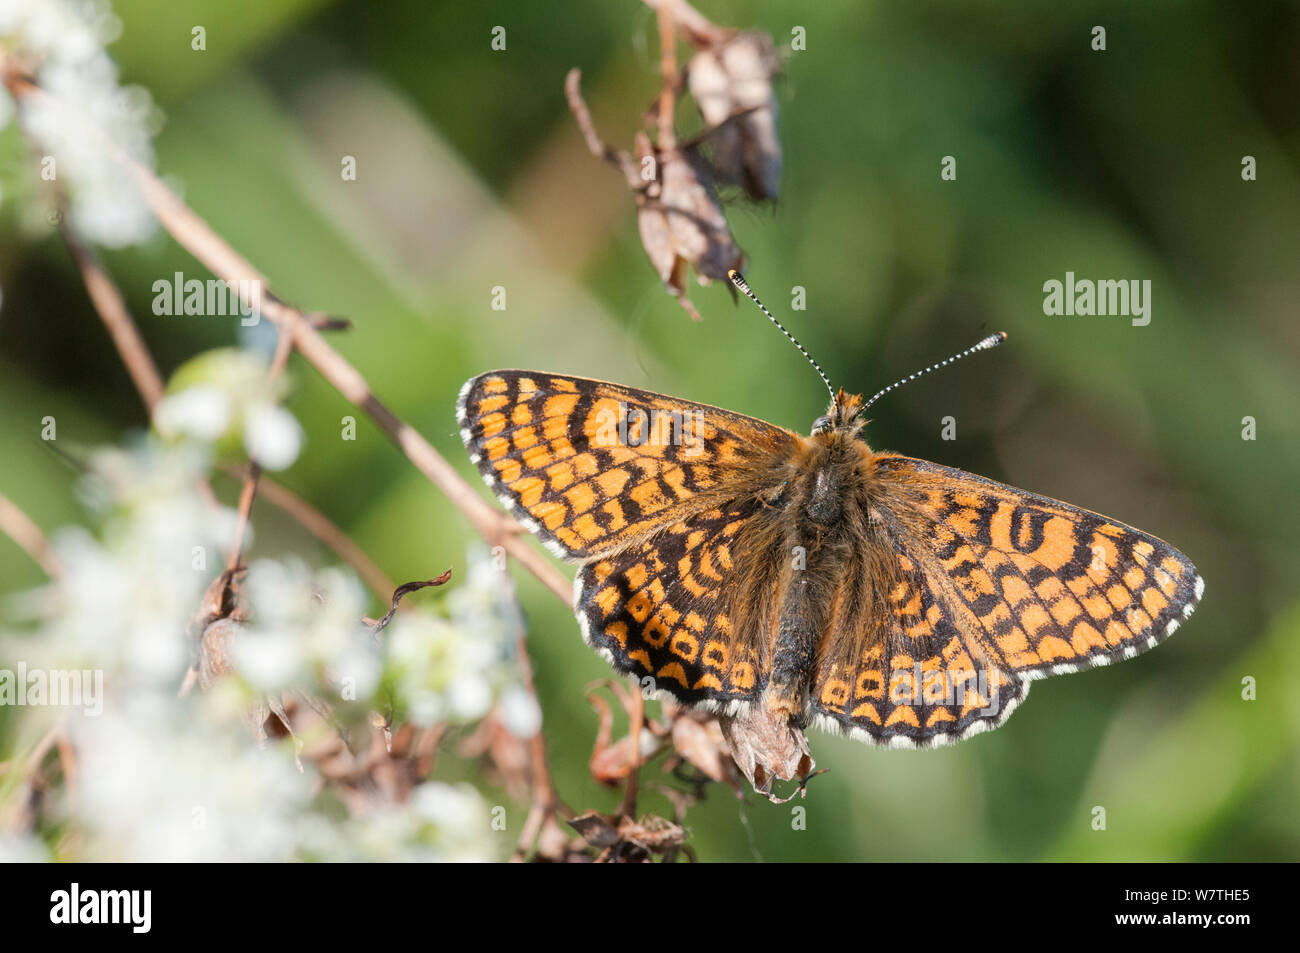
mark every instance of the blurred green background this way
{"type": "Point", "coordinates": [471, 174]}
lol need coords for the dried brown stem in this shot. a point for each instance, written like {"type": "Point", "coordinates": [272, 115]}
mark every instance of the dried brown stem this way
{"type": "Point", "coordinates": [20, 527]}
{"type": "Point", "coordinates": [248, 495]}
{"type": "Point", "coordinates": [694, 26]}
{"type": "Point", "coordinates": [112, 310]}
{"type": "Point", "coordinates": [405, 589]}
{"type": "Point", "coordinates": [668, 68]}
{"type": "Point", "coordinates": [18, 815]}
{"type": "Point", "coordinates": [636, 721]}
{"type": "Point", "coordinates": [546, 800]}
{"type": "Point", "coordinates": [528, 834]}
{"type": "Point", "coordinates": [582, 115]}
{"type": "Point", "coordinates": [320, 526]}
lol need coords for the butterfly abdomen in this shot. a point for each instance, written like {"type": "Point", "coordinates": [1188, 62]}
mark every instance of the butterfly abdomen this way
{"type": "Point", "coordinates": [816, 522]}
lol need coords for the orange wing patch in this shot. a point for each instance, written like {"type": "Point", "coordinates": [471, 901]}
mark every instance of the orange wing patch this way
{"type": "Point", "coordinates": [656, 610]}
{"type": "Point", "coordinates": [590, 467]}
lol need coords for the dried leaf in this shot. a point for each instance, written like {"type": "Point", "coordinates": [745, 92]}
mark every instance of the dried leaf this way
{"type": "Point", "coordinates": [699, 740]}
{"type": "Point", "coordinates": [508, 755]}
{"type": "Point", "coordinates": [612, 763]}
{"type": "Point", "coordinates": [595, 829]}
{"type": "Point", "coordinates": [214, 651]}
{"type": "Point", "coordinates": [402, 590]}
{"type": "Point", "coordinates": [732, 85]}
{"type": "Point", "coordinates": [684, 226]}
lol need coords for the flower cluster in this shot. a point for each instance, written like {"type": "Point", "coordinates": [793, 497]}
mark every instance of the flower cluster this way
{"type": "Point", "coordinates": [164, 778]}
{"type": "Point", "coordinates": [82, 118]}
{"type": "Point", "coordinates": [225, 398]}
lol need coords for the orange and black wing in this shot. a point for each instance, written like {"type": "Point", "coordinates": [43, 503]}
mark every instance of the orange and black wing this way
{"type": "Point", "coordinates": [1053, 588]}
{"type": "Point", "coordinates": [985, 588]}
{"type": "Point", "coordinates": [898, 664]}
{"type": "Point", "coordinates": [590, 467]}
{"type": "Point", "coordinates": [657, 610]}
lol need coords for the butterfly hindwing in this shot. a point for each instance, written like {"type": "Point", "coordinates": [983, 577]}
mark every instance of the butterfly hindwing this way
{"type": "Point", "coordinates": [898, 665]}
{"type": "Point", "coordinates": [657, 611]}
{"type": "Point", "coordinates": [590, 466]}
{"type": "Point", "coordinates": [984, 588]}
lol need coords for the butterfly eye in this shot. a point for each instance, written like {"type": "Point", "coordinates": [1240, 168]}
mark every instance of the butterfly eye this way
{"type": "Point", "coordinates": [821, 425]}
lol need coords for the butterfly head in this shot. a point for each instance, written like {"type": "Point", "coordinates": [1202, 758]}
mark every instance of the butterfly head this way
{"type": "Point", "coordinates": [844, 415]}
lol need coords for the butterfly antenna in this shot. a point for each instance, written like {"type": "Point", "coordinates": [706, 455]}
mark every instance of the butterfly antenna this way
{"type": "Point", "coordinates": [993, 340]}
{"type": "Point", "coordinates": [738, 280]}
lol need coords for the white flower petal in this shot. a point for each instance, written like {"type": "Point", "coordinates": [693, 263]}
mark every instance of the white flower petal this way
{"type": "Point", "coordinates": [203, 412]}
{"type": "Point", "coordinates": [272, 436]}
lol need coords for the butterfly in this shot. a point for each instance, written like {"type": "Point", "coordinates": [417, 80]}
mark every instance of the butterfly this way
{"type": "Point", "coordinates": [737, 565]}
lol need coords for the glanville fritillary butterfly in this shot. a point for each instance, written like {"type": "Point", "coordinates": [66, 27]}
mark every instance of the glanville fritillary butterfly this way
{"type": "Point", "coordinates": [744, 568]}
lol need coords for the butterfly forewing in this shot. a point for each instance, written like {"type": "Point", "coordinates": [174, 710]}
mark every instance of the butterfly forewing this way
{"type": "Point", "coordinates": [590, 466]}
{"type": "Point", "coordinates": [1050, 587]}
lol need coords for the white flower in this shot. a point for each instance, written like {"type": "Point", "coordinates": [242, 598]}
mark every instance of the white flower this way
{"type": "Point", "coordinates": [22, 849]}
{"type": "Point", "coordinates": [126, 598]}
{"type": "Point", "coordinates": [470, 696]}
{"type": "Point", "coordinates": [84, 117]}
{"type": "Point", "coordinates": [203, 412]}
{"type": "Point", "coordinates": [356, 670]}
{"type": "Point", "coordinates": [226, 396]}
{"type": "Point", "coordinates": [272, 436]}
{"type": "Point", "coordinates": [271, 659]}
{"type": "Point", "coordinates": [519, 712]}
{"type": "Point", "coordinates": [305, 632]}
{"type": "Point", "coordinates": [159, 784]}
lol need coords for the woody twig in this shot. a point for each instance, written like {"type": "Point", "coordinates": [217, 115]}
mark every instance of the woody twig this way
{"type": "Point", "coordinates": [22, 529]}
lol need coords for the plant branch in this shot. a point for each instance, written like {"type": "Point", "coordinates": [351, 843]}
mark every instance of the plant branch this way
{"type": "Point", "coordinates": [19, 527]}
{"type": "Point", "coordinates": [112, 310]}
{"type": "Point", "coordinates": [695, 27]}
{"type": "Point", "coordinates": [636, 722]}
{"type": "Point", "coordinates": [325, 530]}
{"type": "Point", "coordinates": [668, 67]}
{"type": "Point", "coordinates": [598, 147]}
{"type": "Point", "coordinates": [248, 495]}
{"type": "Point", "coordinates": [193, 233]}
